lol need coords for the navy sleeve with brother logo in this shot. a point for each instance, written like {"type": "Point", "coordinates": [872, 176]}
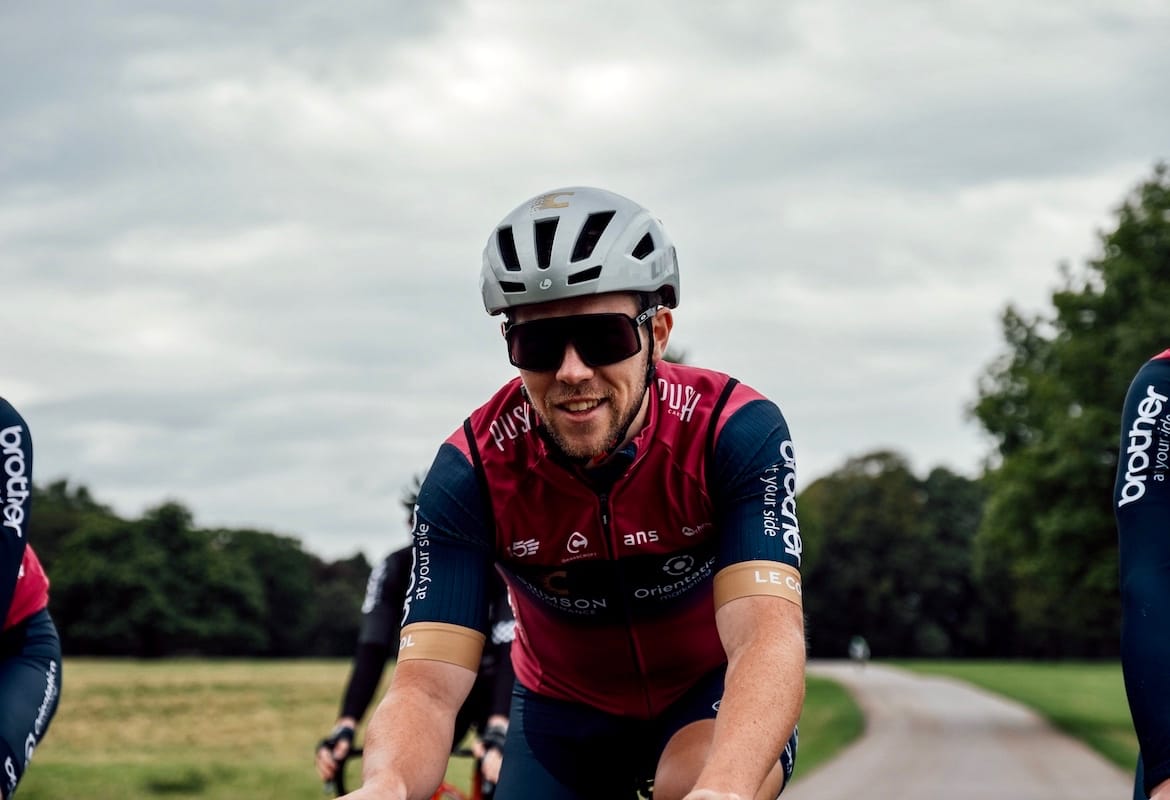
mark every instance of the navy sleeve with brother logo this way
{"type": "Point", "coordinates": [1142, 505]}
{"type": "Point", "coordinates": [753, 486]}
{"type": "Point", "coordinates": [15, 497]}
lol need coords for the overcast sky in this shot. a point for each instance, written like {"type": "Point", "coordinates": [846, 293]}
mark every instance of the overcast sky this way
{"type": "Point", "coordinates": [240, 242]}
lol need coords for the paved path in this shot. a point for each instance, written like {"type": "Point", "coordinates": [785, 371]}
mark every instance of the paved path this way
{"type": "Point", "coordinates": [930, 738]}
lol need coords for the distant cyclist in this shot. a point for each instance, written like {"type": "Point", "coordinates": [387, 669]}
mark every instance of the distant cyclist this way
{"type": "Point", "coordinates": [859, 650]}
{"type": "Point", "coordinates": [486, 708]}
{"type": "Point", "coordinates": [30, 651]}
{"type": "Point", "coordinates": [643, 516]}
{"type": "Point", "coordinates": [1141, 500]}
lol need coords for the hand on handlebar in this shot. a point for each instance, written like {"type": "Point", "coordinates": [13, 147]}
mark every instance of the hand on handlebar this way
{"type": "Point", "coordinates": [489, 748]}
{"type": "Point", "coordinates": [333, 750]}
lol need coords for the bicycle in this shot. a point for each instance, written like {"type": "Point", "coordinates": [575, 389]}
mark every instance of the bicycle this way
{"type": "Point", "coordinates": [480, 788]}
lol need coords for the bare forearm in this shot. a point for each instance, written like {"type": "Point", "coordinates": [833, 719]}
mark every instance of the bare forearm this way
{"type": "Point", "coordinates": [761, 704]}
{"type": "Point", "coordinates": [762, 697]}
{"type": "Point", "coordinates": [408, 739]}
{"type": "Point", "coordinates": [407, 744]}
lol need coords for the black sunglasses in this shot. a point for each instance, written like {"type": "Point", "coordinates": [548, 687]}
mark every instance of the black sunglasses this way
{"type": "Point", "coordinates": [599, 339]}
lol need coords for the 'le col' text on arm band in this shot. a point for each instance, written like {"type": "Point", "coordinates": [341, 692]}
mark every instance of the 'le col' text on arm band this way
{"type": "Point", "coordinates": [755, 578]}
{"type": "Point", "coordinates": [441, 641]}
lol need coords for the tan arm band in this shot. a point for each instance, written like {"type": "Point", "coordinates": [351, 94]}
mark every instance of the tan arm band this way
{"type": "Point", "coordinates": [441, 641]}
{"type": "Point", "coordinates": [757, 577]}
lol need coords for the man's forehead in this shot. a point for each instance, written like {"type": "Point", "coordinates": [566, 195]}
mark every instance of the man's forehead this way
{"type": "Point", "coordinates": [621, 302]}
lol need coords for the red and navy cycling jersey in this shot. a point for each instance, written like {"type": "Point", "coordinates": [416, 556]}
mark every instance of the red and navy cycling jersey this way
{"type": "Point", "coordinates": [1142, 504]}
{"type": "Point", "coordinates": [615, 572]}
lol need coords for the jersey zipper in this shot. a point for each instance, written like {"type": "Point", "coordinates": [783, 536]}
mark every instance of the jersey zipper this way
{"type": "Point", "coordinates": [607, 537]}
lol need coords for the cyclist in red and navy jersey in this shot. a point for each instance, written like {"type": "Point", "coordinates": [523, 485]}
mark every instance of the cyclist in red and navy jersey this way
{"type": "Point", "coordinates": [1141, 501]}
{"type": "Point", "coordinates": [643, 516]}
{"type": "Point", "coordinates": [30, 651]}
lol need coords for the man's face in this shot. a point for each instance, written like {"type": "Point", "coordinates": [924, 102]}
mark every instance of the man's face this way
{"type": "Point", "coordinates": [584, 408]}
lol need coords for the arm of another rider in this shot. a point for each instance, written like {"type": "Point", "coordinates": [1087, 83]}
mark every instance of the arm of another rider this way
{"type": "Point", "coordinates": [489, 747]}
{"type": "Point", "coordinates": [368, 665]}
{"type": "Point", "coordinates": [408, 738]}
{"type": "Point", "coordinates": [377, 642]}
{"type": "Point", "coordinates": [762, 698]}
{"type": "Point", "coordinates": [1142, 505]}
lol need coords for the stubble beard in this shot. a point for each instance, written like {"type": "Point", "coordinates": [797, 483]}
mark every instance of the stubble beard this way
{"type": "Point", "coordinates": [592, 446]}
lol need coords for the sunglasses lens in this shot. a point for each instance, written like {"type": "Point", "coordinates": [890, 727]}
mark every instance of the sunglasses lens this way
{"type": "Point", "coordinates": [599, 339]}
{"type": "Point", "coordinates": [535, 346]}
{"type": "Point", "coordinates": [607, 339]}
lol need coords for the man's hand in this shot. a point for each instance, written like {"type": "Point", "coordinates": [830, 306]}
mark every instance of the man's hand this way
{"type": "Point", "coordinates": [489, 748]}
{"type": "Point", "coordinates": [334, 748]}
{"type": "Point", "coordinates": [1161, 791]}
{"type": "Point", "coordinates": [707, 794]}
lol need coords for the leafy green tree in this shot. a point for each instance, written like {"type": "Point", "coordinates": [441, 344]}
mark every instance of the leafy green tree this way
{"type": "Point", "coordinates": [888, 558]}
{"type": "Point", "coordinates": [57, 511]}
{"type": "Point", "coordinates": [231, 606]}
{"type": "Point", "coordinates": [1052, 402]}
{"type": "Point", "coordinates": [106, 597]}
{"type": "Point", "coordinates": [339, 588]}
{"type": "Point", "coordinates": [286, 576]}
{"type": "Point", "coordinates": [961, 614]}
{"type": "Point", "coordinates": [153, 587]}
{"type": "Point", "coordinates": [159, 586]}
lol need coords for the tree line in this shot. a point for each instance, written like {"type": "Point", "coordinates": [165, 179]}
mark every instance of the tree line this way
{"type": "Point", "coordinates": [1018, 561]}
{"type": "Point", "coordinates": [160, 586]}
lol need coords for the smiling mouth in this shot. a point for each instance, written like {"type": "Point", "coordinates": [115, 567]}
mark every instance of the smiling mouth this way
{"type": "Point", "coordinates": [578, 406]}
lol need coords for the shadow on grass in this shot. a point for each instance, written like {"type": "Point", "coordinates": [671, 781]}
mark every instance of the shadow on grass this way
{"type": "Point", "coordinates": [188, 781]}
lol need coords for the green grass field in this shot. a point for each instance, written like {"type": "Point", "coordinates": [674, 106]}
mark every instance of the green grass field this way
{"type": "Point", "coordinates": [831, 720]}
{"type": "Point", "coordinates": [231, 729]}
{"type": "Point", "coordinates": [1086, 700]}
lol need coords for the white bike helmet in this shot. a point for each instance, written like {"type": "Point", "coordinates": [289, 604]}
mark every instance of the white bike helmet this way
{"type": "Point", "coordinates": [577, 241]}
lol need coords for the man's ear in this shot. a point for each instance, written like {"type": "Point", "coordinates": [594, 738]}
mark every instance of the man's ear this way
{"type": "Point", "coordinates": [663, 322]}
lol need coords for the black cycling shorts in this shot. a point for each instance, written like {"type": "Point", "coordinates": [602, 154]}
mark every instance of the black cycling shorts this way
{"type": "Point", "coordinates": [30, 687]}
{"type": "Point", "coordinates": [574, 752]}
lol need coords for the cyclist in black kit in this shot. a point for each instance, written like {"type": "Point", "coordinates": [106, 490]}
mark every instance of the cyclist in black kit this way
{"type": "Point", "coordinates": [1141, 500]}
{"type": "Point", "coordinates": [486, 709]}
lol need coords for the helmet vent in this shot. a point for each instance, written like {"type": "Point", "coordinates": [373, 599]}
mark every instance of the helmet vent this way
{"type": "Point", "coordinates": [545, 231]}
{"type": "Point", "coordinates": [511, 287]}
{"type": "Point", "coordinates": [591, 274]}
{"type": "Point", "coordinates": [591, 232]}
{"type": "Point", "coordinates": [645, 247]}
{"type": "Point", "coordinates": [508, 249]}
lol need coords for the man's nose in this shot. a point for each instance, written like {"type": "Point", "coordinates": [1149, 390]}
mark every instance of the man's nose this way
{"type": "Point", "coordinates": [572, 368]}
